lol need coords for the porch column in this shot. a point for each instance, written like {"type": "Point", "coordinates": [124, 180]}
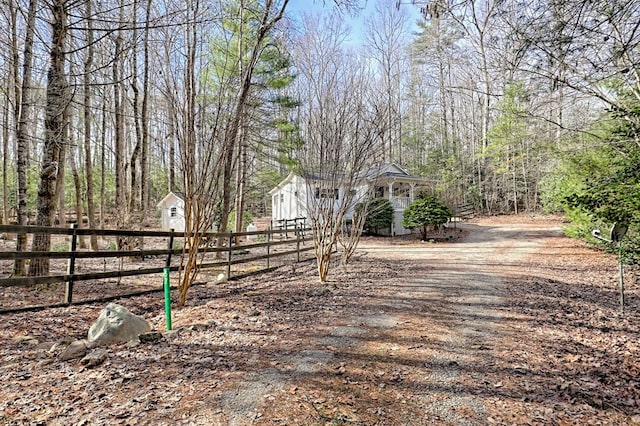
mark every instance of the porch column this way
{"type": "Point", "coordinates": [412, 187]}
{"type": "Point", "coordinates": [393, 223]}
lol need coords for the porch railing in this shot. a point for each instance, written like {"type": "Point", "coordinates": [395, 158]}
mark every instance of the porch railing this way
{"type": "Point", "coordinates": [400, 202]}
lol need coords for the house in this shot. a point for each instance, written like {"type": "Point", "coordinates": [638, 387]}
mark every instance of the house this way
{"type": "Point", "coordinates": [291, 198]}
{"type": "Point", "coordinates": [172, 208]}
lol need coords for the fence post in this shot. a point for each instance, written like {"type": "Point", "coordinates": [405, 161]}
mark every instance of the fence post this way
{"type": "Point", "coordinates": [71, 265]}
{"type": "Point", "coordinates": [297, 244]}
{"type": "Point", "coordinates": [268, 245]}
{"type": "Point", "coordinates": [229, 256]}
{"type": "Point", "coordinates": [166, 283]}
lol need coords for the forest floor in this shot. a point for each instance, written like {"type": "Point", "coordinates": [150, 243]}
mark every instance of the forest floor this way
{"type": "Point", "coordinates": [508, 323]}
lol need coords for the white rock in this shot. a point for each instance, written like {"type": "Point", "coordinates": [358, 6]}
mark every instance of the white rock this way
{"type": "Point", "coordinates": [116, 325]}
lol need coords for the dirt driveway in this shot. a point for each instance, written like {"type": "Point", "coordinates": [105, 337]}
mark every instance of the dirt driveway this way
{"type": "Point", "coordinates": [510, 324]}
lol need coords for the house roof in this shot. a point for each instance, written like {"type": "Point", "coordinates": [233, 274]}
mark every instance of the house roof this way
{"type": "Point", "coordinates": [286, 180]}
{"type": "Point", "coordinates": [171, 194]}
{"type": "Point", "coordinates": [386, 171]}
{"type": "Point", "coordinates": [393, 172]}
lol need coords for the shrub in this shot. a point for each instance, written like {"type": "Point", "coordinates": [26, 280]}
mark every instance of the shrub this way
{"type": "Point", "coordinates": [379, 215]}
{"type": "Point", "coordinates": [424, 212]}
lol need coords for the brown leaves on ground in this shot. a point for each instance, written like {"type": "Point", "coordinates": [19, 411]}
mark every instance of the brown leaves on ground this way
{"type": "Point", "coordinates": [568, 344]}
{"type": "Point", "coordinates": [275, 349]}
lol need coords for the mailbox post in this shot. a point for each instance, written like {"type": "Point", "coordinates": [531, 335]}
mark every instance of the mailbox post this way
{"type": "Point", "coordinates": [617, 233]}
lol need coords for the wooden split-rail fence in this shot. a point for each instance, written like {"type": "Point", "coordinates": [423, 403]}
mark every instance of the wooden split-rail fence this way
{"type": "Point", "coordinates": [258, 248]}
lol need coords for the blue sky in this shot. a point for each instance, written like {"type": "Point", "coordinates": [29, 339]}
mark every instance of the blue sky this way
{"type": "Point", "coordinates": [297, 8]}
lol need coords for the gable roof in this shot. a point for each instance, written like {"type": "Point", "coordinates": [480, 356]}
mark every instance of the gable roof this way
{"type": "Point", "coordinates": [385, 170]}
{"type": "Point", "coordinates": [279, 186]}
{"type": "Point", "coordinates": [171, 194]}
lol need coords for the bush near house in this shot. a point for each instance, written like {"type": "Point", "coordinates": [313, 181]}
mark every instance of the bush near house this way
{"type": "Point", "coordinates": [426, 212]}
{"type": "Point", "coordinates": [379, 215]}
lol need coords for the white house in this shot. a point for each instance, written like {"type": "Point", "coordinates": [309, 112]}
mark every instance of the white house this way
{"type": "Point", "coordinates": [172, 208]}
{"type": "Point", "coordinates": [290, 199]}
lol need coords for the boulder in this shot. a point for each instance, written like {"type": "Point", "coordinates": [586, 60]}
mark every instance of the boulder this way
{"type": "Point", "coordinates": [116, 325]}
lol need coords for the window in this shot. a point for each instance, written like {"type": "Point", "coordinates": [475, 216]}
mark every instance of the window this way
{"type": "Point", "coordinates": [282, 198]}
{"type": "Point", "coordinates": [327, 193]}
{"type": "Point", "coordinates": [174, 211]}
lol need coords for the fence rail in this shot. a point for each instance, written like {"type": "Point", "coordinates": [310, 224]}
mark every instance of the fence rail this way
{"type": "Point", "coordinates": [237, 249]}
{"type": "Point", "coordinates": [465, 211]}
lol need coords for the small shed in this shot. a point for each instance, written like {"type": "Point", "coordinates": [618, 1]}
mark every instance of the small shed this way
{"type": "Point", "coordinates": [289, 199]}
{"type": "Point", "coordinates": [172, 208]}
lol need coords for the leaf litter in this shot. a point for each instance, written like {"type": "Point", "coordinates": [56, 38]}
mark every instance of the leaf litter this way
{"type": "Point", "coordinates": [509, 323]}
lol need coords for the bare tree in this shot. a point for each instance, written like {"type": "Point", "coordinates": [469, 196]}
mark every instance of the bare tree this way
{"type": "Point", "coordinates": [23, 98]}
{"type": "Point", "coordinates": [337, 129]}
{"type": "Point", "coordinates": [583, 47]}
{"type": "Point", "coordinates": [55, 133]}
{"type": "Point", "coordinates": [387, 38]}
{"type": "Point", "coordinates": [144, 115]}
{"type": "Point", "coordinates": [119, 95]}
{"type": "Point", "coordinates": [87, 123]}
{"type": "Point", "coordinates": [135, 194]}
{"type": "Point", "coordinates": [267, 18]}
{"type": "Point", "coordinates": [197, 142]}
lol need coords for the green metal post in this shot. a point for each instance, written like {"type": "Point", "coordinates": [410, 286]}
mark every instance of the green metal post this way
{"type": "Point", "coordinates": [167, 284]}
{"type": "Point", "coordinates": [167, 297]}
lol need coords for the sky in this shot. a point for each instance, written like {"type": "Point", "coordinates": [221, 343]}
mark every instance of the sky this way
{"type": "Point", "coordinates": [296, 8]}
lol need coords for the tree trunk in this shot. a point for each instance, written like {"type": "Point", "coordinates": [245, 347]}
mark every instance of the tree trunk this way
{"type": "Point", "coordinates": [19, 268]}
{"type": "Point", "coordinates": [241, 182]}
{"type": "Point", "coordinates": [231, 137]}
{"type": "Point", "coordinates": [144, 154]}
{"type": "Point", "coordinates": [103, 160]}
{"type": "Point", "coordinates": [194, 197]}
{"type": "Point", "coordinates": [5, 160]}
{"type": "Point", "coordinates": [134, 186]}
{"type": "Point", "coordinates": [88, 118]}
{"type": "Point", "coordinates": [57, 102]}
{"type": "Point", "coordinates": [5, 152]}
{"type": "Point", "coordinates": [172, 153]}
{"type": "Point", "coordinates": [59, 194]}
{"type": "Point", "coordinates": [78, 196]}
{"type": "Point", "coordinates": [121, 201]}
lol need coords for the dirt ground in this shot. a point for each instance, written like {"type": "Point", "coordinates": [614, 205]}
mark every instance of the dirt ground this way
{"type": "Point", "coordinates": [508, 323]}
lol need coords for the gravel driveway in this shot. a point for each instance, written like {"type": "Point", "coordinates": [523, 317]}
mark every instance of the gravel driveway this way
{"type": "Point", "coordinates": [462, 291]}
